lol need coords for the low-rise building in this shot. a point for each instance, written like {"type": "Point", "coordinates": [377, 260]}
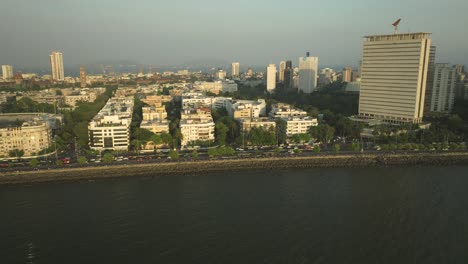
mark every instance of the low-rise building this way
{"type": "Point", "coordinates": [216, 87]}
{"type": "Point", "coordinates": [299, 124]}
{"type": "Point", "coordinates": [281, 110]}
{"type": "Point", "coordinates": [241, 109]}
{"type": "Point", "coordinates": [155, 119]}
{"type": "Point", "coordinates": [30, 132]}
{"type": "Point", "coordinates": [110, 128]}
{"type": "Point", "coordinates": [263, 122]}
{"type": "Point", "coordinates": [156, 99]}
{"type": "Point", "coordinates": [297, 121]}
{"type": "Point", "coordinates": [196, 125]}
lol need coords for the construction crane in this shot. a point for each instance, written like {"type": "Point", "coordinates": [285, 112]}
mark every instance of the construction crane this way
{"type": "Point", "coordinates": [395, 24]}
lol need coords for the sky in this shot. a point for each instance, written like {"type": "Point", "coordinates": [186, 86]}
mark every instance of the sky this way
{"type": "Point", "coordinates": [253, 32]}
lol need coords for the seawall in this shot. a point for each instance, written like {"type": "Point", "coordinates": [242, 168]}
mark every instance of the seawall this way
{"type": "Point", "coordinates": [197, 167]}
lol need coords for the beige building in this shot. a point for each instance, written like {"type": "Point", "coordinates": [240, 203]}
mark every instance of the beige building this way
{"type": "Point", "coordinates": [156, 99]}
{"type": "Point", "coordinates": [31, 133]}
{"type": "Point", "coordinates": [299, 125]}
{"type": "Point", "coordinates": [443, 89]}
{"type": "Point", "coordinates": [264, 122]}
{"type": "Point", "coordinates": [235, 69]}
{"type": "Point", "coordinates": [282, 110]}
{"type": "Point", "coordinates": [56, 64]}
{"type": "Point", "coordinates": [110, 128]}
{"type": "Point", "coordinates": [196, 125]}
{"type": "Point", "coordinates": [271, 77]}
{"type": "Point", "coordinates": [241, 109]}
{"type": "Point", "coordinates": [7, 72]}
{"type": "Point", "coordinates": [393, 78]}
{"type": "Point", "coordinates": [347, 74]}
{"type": "Point", "coordinates": [155, 119]}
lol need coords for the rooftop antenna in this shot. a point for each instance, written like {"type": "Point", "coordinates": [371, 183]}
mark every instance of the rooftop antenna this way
{"type": "Point", "coordinates": [395, 24]}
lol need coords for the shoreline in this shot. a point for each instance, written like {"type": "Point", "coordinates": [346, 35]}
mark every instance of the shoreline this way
{"type": "Point", "coordinates": [211, 166]}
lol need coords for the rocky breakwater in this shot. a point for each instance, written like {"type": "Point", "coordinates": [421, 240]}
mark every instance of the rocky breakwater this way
{"type": "Point", "coordinates": [261, 164]}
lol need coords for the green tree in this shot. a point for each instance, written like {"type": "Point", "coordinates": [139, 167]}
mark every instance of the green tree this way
{"type": "Point", "coordinates": [355, 147]}
{"type": "Point", "coordinates": [59, 163]}
{"type": "Point", "coordinates": [166, 138]}
{"type": "Point", "coordinates": [173, 154]}
{"type": "Point", "coordinates": [221, 133]}
{"type": "Point", "coordinates": [82, 160]}
{"type": "Point", "coordinates": [108, 158]}
{"type": "Point", "coordinates": [195, 154]}
{"type": "Point", "coordinates": [336, 148]}
{"type": "Point", "coordinates": [317, 149]}
{"type": "Point", "coordinates": [34, 163]}
{"type": "Point", "coordinates": [16, 153]}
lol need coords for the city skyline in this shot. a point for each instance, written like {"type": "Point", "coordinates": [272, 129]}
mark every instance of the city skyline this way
{"type": "Point", "coordinates": [165, 34]}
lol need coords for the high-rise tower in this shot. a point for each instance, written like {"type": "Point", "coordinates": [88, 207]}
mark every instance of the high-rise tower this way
{"type": "Point", "coordinates": [393, 77]}
{"type": "Point", "coordinates": [235, 69]}
{"type": "Point", "coordinates": [308, 67]}
{"type": "Point", "coordinates": [82, 77]}
{"type": "Point", "coordinates": [271, 77]}
{"type": "Point", "coordinates": [56, 64]}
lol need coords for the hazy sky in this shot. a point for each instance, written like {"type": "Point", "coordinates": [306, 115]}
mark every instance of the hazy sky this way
{"type": "Point", "coordinates": [254, 32]}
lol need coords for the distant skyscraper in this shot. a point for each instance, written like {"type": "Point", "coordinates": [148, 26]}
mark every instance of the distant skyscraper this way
{"type": "Point", "coordinates": [308, 67]}
{"type": "Point", "coordinates": [56, 63]}
{"type": "Point", "coordinates": [430, 80]}
{"type": "Point", "coordinates": [288, 81]}
{"type": "Point", "coordinates": [271, 77]}
{"type": "Point", "coordinates": [282, 67]}
{"type": "Point", "coordinates": [7, 72]}
{"type": "Point", "coordinates": [235, 69]}
{"type": "Point", "coordinates": [82, 77]}
{"type": "Point", "coordinates": [347, 74]}
{"type": "Point", "coordinates": [393, 77]}
{"type": "Point", "coordinates": [221, 74]}
{"type": "Point", "coordinates": [249, 72]}
{"type": "Point", "coordinates": [443, 90]}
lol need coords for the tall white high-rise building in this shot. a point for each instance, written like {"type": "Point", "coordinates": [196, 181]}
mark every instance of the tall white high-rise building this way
{"type": "Point", "coordinates": [282, 67]}
{"type": "Point", "coordinates": [393, 77]}
{"type": "Point", "coordinates": [56, 64]}
{"type": "Point", "coordinates": [443, 89]}
{"type": "Point", "coordinates": [7, 72]}
{"type": "Point", "coordinates": [308, 70]}
{"type": "Point", "coordinates": [235, 69]}
{"type": "Point", "coordinates": [271, 77]}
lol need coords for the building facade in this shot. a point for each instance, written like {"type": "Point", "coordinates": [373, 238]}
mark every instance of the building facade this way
{"type": "Point", "coordinates": [7, 72]}
{"type": "Point", "coordinates": [83, 80]}
{"type": "Point", "coordinates": [282, 66]}
{"type": "Point", "coordinates": [271, 77]}
{"type": "Point", "coordinates": [443, 89]}
{"type": "Point", "coordinates": [263, 122]}
{"type": "Point", "coordinates": [393, 77]}
{"type": "Point", "coordinates": [347, 74]}
{"type": "Point", "coordinates": [29, 132]}
{"type": "Point", "coordinates": [110, 128]}
{"type": "Point", "coordinates": [235, 69]}
{"type": "Point", "coordinates": [288, 75]}
{"type": "Point", "coordinates": [56, 64]}
{"type": "Point", "coordinates": [155, 119]}
{"type": "Point", "coordinates": [308, 70]}
{"type": "Point", "coordinates": [246, 109]}
{"type": "Point", "coordinates": [196, 124]}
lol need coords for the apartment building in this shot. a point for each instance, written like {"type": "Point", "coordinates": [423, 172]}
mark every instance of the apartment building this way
{"type": "Point", "coordinates": [110, 128]}
{"type": "Point", "coordinates": [240, 109]}
{"type": "Point", "coordinates": [196, 124]}
{"type": "Point", "coordinates": [263, 122]}
{"type": "Point", "coordinates": [31, 132]}
{"type": "Point", "coordinates": [155, 119]}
